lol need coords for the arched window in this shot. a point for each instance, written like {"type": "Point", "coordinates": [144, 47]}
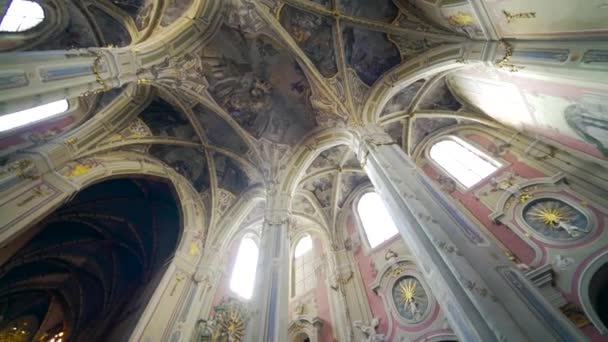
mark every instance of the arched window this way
{"type": "Point", "coordinates": [243, 273]}
{"type": "Point", "coordinates": [21, 15]}
{"type": "Point", "coordinates": [24, 117]}
{"type": "Point", "coordinates": [465, 163]}
{"type": "Point", "coordinates": [303, 267]}
{"type": "Point", "coordinates": [377, 222]}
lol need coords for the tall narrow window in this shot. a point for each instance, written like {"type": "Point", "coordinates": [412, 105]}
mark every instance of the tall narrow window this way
{"type": "Point", "coordinates": [24, 117]}
{"type": "Point", "coordinates": [243, 273]}
{"type": "Point", "coordinates": [377, 222]}
{"type": "Point", "coordinates": [303, 267]}
{"type": "Point", "coordinates": [467, 164]}
{"type": "Point", "coordinates": [21, 15]}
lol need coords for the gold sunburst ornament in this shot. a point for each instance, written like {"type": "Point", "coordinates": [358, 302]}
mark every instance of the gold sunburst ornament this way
{"type": "Point", "coordinates": [550, 214]}
{"type": "Point", "coordinates": [232, 325]}
{"type": "Point", "coordinates": [407, 290]}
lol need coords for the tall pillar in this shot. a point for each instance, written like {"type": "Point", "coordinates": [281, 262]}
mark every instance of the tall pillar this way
{"type": "Point", "coordinates": [29, 79]}
{"type": "Point", "coordinates": [271, 292]}
{"type": "Point", "coordinates": [482, 295]}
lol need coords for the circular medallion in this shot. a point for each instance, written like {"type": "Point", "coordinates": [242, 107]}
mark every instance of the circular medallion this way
{"type": "Point", "coordinates": [410, 299]}
{"type": "Point", "coordinates": [556, 220]}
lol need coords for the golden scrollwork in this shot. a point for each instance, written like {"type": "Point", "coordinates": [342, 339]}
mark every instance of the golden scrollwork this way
{"type": "Point", "coordinates": [504, 63]}
{"type": "Point", "coordinates": [521, 15]}
{"type": "Point", "coordinates": [23, 169]}
{"type": "Point", "coordinates": [95, 67]}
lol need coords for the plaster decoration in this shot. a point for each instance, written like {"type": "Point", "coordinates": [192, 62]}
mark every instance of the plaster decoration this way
{"type": "Point", "coordinates": [82, 167]}
{"type": "Point", "coordinates": [368, 329]}
{"type": "Point", "coordinates": [382, 10]}
{"type": "Point", "coordinates": [563, 262]}
{"type": "Point", "coordinates": [22, 169]}
{"type": "Point", "coordinates": [260, 86]}
{"type": "Point", "coordinates": [358, 88]}
{"type": "Point", "coordinates": [461, 18]}
{"type": "Point", "coordinates": [224, 200]}
{"type": "Point", "coordinates": [369, 53]}
{"type": "Point", "coordinates": [313, 34]}
{"type": "Point", "coordinates": [403, 99]}
{"type": "Point", "coordinates": [556, 219]}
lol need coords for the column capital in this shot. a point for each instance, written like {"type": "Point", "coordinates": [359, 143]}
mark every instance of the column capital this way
{"type": "Point", "coordinates": [366, 137]}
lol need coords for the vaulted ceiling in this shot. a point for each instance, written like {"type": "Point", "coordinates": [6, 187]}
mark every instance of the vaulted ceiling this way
{"type": "Point", "coordinates": [79, 269]}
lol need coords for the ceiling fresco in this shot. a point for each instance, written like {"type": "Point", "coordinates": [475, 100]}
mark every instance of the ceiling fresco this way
{"type": "Point", "coordinates": [379, 10]}
{"type": "Point", "coordinates": [260, 85]}
{"type": "Point", "coordinates": [173, 10]}
{"type": "Point", "coordinates": [78, 33]}
{"type": "Point", "coordinates": [139, 10]}
{"type": "Point", "coordinates": [229, 175]}
{"type": "Point", "coordinates": [187, 161]}
{"type": "Point", "coordinates": [403, 99]}
{"type": "Point", "coordinates": [454, 15]}
{"type": "Point", "coordinates": [313, 33]}
{"type": "Point", "coordinates": [370, 53]}
{"type": "Point", "coordinates": [439, 97]}
{"type": "Point", "coordinates": [218, 132]}
{"type": "Point", "coordinates": [423, 127]}
{"type": "Point", "coordinates": [164, 120]}
{"type": "Point", "coordinates": [114, 32]}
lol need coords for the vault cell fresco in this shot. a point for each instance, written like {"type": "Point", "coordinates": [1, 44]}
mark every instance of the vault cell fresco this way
{"type": "Point", "coordinates": [439, 97]}
{"type": "Point", "coordinates": [186, 161]}
{"type": "Point", "coordinates": [114, 33]}
{"type": "Point", "coordinates": [218, 131]}
{"type": "Point", "coordinates": [260, 85]}
{"type": "Point", "coordinates": [313, 33]}
{"type": "Point", "coordinates": [229, 174]}
{"type": "Point", "coordinates": [380, 10]}
{"type": "Point", "coordinates": [369, 53]}
{"type": "Point", "coordinates": [403, 99]}
{"type": "Point", "coordinates": [139, 10]}
{"type": "Point", "coordinates": [164, 120]}
{"type": "Point", "coordinates": [173, 10]}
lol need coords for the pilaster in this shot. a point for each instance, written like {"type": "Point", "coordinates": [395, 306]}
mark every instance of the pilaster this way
{"type": "Point", "coordinates": [483, 296]}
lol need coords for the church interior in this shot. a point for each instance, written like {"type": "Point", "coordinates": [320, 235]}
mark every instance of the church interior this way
{"type": "Point", "coordinates": [303, 170]}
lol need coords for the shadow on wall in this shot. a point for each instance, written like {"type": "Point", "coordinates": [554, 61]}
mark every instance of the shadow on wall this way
{"type": "Point", "coordinates": [87, 270]}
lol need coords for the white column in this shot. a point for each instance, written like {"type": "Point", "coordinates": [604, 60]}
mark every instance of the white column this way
{"type": "Point", "coordinates": [482, 295]}
{"type": "Point", "coordinates": [271, 292]}
{"type": "Point", "coordinates": [29, 79]}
